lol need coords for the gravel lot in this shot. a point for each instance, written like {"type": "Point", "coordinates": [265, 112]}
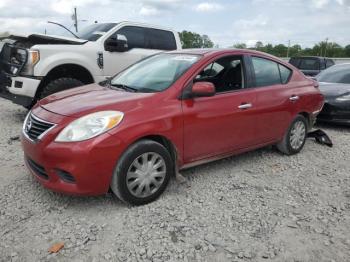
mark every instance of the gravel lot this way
{"type": "Point", "coordinates": [259, 206]}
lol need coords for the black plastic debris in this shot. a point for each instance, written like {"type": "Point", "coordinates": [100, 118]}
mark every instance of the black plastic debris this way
{"type": "Point", "coordinates": [321, 137]}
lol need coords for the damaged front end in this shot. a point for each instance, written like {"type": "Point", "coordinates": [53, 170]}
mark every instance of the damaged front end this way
{"type": "Point", "coordinates": [12, 59]}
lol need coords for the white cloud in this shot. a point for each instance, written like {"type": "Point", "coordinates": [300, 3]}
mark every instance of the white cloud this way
{"type": "Point", "coordinates": [208, 7]}
{"type": "Point", "coordinates": [66, 6]}
{"type": "Point", "coordinates": [320, 3]}
{"type": "Point", "coordinates": [4, 3]}
{"type": "Point", "coordinates": [149, 11]}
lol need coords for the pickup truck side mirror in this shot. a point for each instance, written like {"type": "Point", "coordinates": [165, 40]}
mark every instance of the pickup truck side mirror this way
{"type": "Point", "coordinates": [116, 44]}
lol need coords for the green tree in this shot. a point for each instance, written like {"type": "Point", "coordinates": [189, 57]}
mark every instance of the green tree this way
{"type": "Point", "coordinates": [240, 46]}
{"type": "Point", "coordinates": [207, 43]}
{"type": "Point", "coordinates": [194, 40]}
{"type": "Point", "coordinates": [259, 46]}
{"type": "Point", "coordinates": [280, 50]}
{"type": "Point", "coordinates": [347, 51]}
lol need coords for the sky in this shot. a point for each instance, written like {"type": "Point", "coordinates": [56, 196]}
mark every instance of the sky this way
{"type": "Point", "coordinates": [226, 22]}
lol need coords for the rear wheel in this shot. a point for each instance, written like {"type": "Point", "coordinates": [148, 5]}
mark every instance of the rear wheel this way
{"type": "Point", "coordinates": [294, 140]}
{"type": "Point", "coordinates": [142, 173]}
{"type": "Point", "coordinates": [58, 85]}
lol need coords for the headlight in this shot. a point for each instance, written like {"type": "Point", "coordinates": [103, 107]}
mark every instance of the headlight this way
{"type": "Point", "coordinates": [33, 59]}
{"type": "Point", "coordinates": [90, 126]}
{"type": "Point", "coordinates": [343, 98]}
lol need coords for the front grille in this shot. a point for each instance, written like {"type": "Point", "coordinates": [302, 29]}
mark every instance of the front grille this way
{"type": "Point", "coordinates": [12, 59]}
{"type": "Point", "coordinates": [35, 127]}
{"type": "Point", "coordinates": [65, 176]}
{"type": "Point", "coordinates": [38, 169]}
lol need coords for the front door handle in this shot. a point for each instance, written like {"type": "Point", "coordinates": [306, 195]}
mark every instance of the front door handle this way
{"type": "Point", "coordinates": [294, 98]}
{"type": "Point", "coordinates": [245, 106]}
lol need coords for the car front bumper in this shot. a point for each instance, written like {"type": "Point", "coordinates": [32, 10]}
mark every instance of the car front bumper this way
{"type": "Point", "coordinates": [77, 168]}
{"type": "Point", "coordinates": [20, 90]}
{"type": "Point", "coordinates": [334, 113]}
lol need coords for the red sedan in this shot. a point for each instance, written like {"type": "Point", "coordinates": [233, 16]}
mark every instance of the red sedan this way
{"type": "Point", "coordinates": [165, 113]}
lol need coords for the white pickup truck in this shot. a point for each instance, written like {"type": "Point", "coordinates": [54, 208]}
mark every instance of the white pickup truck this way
{"type": "Point", "coordinates": [37, 65]}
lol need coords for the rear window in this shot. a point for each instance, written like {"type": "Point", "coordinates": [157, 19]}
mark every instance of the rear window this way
{"type": "Point", "coordinates": [285, 73]}
{"type": "Point", "coordinates": [267, 72]}
{"type": "Point", "coordinates": [160, 39]}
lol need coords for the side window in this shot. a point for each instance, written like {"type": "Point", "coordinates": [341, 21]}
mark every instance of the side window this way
{"type": "Point", "coordinates": [285, 73]}
{"type": "Point", "coordinates": [329, 63]}
{"type": "Point", "coordinates": [309, 64]}
{"type": "Point", "coordinates": [225, 73]}
{"type": "Point", "coordinates": [135, 36]}
{"type": "Point", "coordinates": [160, 39]}
{"type": "Point", "coordinates": [266, 72]}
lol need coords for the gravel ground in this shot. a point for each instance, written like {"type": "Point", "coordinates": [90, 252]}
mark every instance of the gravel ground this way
{"type": "Point", "coordinates": [259, 206]}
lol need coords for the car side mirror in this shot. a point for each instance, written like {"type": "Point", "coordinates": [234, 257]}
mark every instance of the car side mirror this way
{"type": "Point", "coordinates": [203, 89]}
{"type": "Point", "coordinates": [116, 44]}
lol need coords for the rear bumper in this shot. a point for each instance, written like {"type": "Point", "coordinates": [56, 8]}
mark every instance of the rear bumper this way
{"type": "Point", "coordinates": [20, 90]}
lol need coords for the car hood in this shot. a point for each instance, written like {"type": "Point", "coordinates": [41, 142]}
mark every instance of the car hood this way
{"type": "Point", "coordinates": [334, 89]}
{"type": "Point", "coordinates": [91, 98]}
{"type": "Point", "coordinates": [43, 39]}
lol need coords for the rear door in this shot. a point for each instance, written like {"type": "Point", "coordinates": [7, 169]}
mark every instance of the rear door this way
{"type": "Point", "coordinates": [274, 105]}
{"type": "Point", "coordinates": [222, 123]}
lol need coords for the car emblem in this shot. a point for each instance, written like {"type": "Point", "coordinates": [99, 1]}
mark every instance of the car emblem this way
{"type": "Point", "coordinates": [28, 125]}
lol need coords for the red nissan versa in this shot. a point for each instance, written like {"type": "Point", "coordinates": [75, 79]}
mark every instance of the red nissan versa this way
{"type": "Point", "coordinates": [168, 112]}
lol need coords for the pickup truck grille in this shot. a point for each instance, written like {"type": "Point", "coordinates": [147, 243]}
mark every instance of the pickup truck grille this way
{"type": "Point", "coordinates": [12, 59]}
{"type": "Point", "coordinates": [34, 127]}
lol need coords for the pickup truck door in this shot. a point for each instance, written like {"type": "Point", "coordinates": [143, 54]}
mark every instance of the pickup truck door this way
{"type": "Point", "coordinates": [114, 62]}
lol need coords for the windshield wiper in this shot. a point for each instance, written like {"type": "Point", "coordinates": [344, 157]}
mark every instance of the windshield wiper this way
{"type": "Point", "coordinates": [124, 87]}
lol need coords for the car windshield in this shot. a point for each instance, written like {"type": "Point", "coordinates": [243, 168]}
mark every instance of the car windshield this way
{"type": "Point", "coordinates": [335, 74]}
{"type": "Point", "coordinates": [155, 73]}
{"type": "Point", "coordinates": [95, 31]}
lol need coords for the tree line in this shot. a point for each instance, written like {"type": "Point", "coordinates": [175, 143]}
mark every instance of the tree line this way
{"type": "Point", "coordinates": [323, 48]}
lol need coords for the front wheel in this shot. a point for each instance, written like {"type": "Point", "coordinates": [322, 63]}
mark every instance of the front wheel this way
{"type": "Point", "coordinates": [294, 140]}
{"type": "Point", "coordinates": [58, 85]}
{"type": "Point", "coordinates": [142, 173]}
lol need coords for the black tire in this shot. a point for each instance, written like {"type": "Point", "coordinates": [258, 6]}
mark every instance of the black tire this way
{"type": "Point", "coordinates": [58, 85]}
{"type": "Point", "coordinates": [119, 180]}
{"type": "Point", "coordinates": [285, 146]}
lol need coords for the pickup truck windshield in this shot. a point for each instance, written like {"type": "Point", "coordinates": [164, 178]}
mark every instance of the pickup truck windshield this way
{"type": "Point", "coordinates": [155, 73]}
{"type": "Point", "coordinates": [95, 31]}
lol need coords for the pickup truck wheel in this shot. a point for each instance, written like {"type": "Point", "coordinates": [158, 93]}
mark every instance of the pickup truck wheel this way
{"type": "Point", "coordinates": [142, 173]}
{"type": "Point", "coordinates": [294, 140]}
{"type": "Point", "coordinates": [58, 85]}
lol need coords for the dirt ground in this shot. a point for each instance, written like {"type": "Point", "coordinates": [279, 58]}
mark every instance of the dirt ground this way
{"type": "Point", "coordinates": [259, 206]}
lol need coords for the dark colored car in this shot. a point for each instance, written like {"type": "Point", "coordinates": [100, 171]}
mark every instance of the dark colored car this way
{"type": "Point", "coordinates": [335, 86]}
{"type": "Point", "coordinates": [165, 113]}
{"type": "Point", "coordinates": [311, 65]}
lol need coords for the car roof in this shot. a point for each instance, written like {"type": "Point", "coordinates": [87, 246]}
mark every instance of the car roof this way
{"type": "Point", "coordinates": [298, 57]}
{"type": "Point", "coordinates": [215, 51]}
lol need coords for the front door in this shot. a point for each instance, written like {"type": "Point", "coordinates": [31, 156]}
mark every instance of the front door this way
{"type": "Point", "coordinates": [114, 62]}
{"type": "Point", "coordinates": [222, 123]}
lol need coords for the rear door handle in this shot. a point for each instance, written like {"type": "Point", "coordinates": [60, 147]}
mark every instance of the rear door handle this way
{"type": "Point", "coordinates": [294, 98]}
{"type": "Point", "coordinates": [245, 106]}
